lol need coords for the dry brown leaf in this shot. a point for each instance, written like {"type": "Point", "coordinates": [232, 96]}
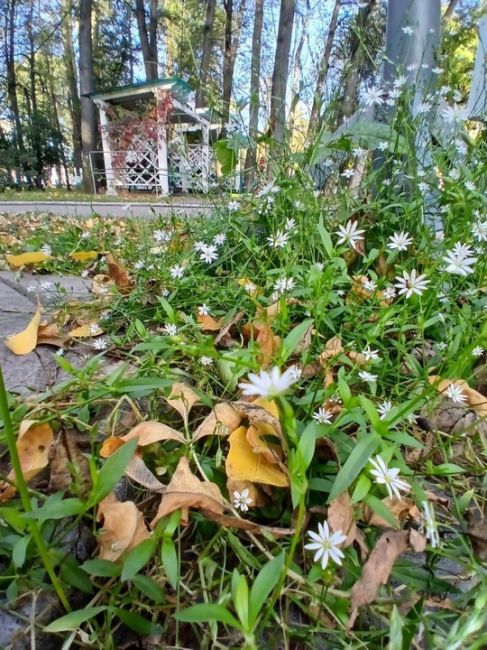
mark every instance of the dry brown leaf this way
{"type": "Point", "coordinates": [399, 508]}
{"type": "Point", "coordinates": [66, 462]}
{"type": "Point", "coordinates": [33, 444]}
{"type": "Point", "coordinates": [269, 345]}
{"type": "Point", "coordinates": [147, 432]}
{"type": "Point", "coordinates": [119, 274]}
{"type": "Point", "coordinates": [417, 541]}
{"type": "Point", "coordinates": [243, 464]}
{"type": "Point", "coordinates": [16, 261]}
{"type": "Point", "coordinates": [123, 527]}
{"type": "Point", "coordinates": [182, 399]}
{"type": "Point", "coordinates": [260, 412]}
{"type": "Point", "coordinates": [25, 341]}
{"type": "Point", "coordinates": [223, 336]}
{"type": "Point", "coordinates": [230, 521]}
{"type": "Point", "coordinates": [255, 437]}
{"type": "Point", "coordinates": [138, 471]}
{"type": "Point", "coordinates": [208, 323]}
{"type": "Point", "coordinates": [222, 420]}
{"type": "Point", "coordinates": [377, 569]}
{"type": "Point", "coordinates": [475, 400]}
{"type": "Point", "coordinates": [185, 491]}
{"type": "Point", "coordinates": [357, 357]}
{"type": "Point", "coordinates": [50, 334]}
{"type": "Point", "coordinates": [102, 284]}
{"type": "Point", "coordinates": [340, 518]}
{"type": "Point", "coordinates": [333, 348]}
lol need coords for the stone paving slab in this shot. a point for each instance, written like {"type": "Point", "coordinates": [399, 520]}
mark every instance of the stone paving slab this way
{"type": "Point", "coordinates": [34, 372]}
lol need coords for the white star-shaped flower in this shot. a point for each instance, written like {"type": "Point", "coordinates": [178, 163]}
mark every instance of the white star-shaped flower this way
{"type": "Point", "coordinates": [269, 383]}
{"type": "Point", "coordinates": [326, 544]}
{"type": "Point", "coordinates": [411, 283]}
{"type": "Point", "coordinates": [388, 476]}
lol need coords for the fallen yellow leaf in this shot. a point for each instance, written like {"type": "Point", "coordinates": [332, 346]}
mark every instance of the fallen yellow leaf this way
{"type": "Point", "coordinates": [84, 256]}
{"type": "Point", "coordinates": [86, 331]}
{"type": "Point", "coordinates": [25, 341]}
{"type": "Point", "coordinates": [243, 464]}
{"type": "Point", "coordinates": [27, 258]}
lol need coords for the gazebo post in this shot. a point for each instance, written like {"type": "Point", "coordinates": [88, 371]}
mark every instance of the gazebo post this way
{"type": "Point", "coordinates": [206, 143]}
{"type": "Point", "coordinates": [162, 160]}
{"type": "Point", "coordinates": [107, 152]}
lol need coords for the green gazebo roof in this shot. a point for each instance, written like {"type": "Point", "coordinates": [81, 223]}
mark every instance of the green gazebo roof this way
{"type": "Point", "coordinates": [142, 90]}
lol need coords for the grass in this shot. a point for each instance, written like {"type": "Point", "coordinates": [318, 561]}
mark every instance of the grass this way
{"type": "Point", "coordinates": [61, 194]}
{"type": "Point", "coordinates": [207, 578]}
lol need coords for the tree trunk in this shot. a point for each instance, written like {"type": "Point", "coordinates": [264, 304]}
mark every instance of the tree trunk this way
{"type": "Point", "coordinates": [297, 68]}
{"type": "Point", "coordinates": [206, 51]}
{"type": "Point", "coordinates": [12, 87]}
{"type": "Point", "coordinates": [323, 72]}
{"type": "Point", "coordinates": [88, 114]}
{"type": "Point", "coordinates": [232, 40]}
{"type": "Point", "coordinates": [38, 163]}
{"type": "Point", "coordinates": [449, 10]}
{"type": "Point", "coordinates": [250, 160]}
{"type": "Point", "coordinates": [148, 36]}
{"type": "Point", "coordinates": [277, 120]}
{"type": "Point", "coordinates": [73, 95]}
{"type": "Point", "coordinates": [60, 148]}
{"type": "Point", "coordinates": [349, 98]}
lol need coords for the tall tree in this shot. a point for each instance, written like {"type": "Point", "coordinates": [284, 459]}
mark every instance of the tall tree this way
{"type": "Point", "coordinates": [250, 160]}
{"type": "Point", "coordinates": [72, 81]}
{"type": "Point", "coordinates": [206, 51]}
{"type": "Point", "coordinates": [88, 113]}
{"type": "Point", "coordinates": [351, 81]}
{"type": "Point", "coordinates": [277, 119]}
{"type": "Point", "coordinates": [232, 40]}
{"type": "Point", "coordinates": [297, 69]}
{"type": "Point", "coordinates": [324, 66]}
{"type": "Point", "coordinates": [9, 45]}
{"type": "Point", "coordinates": [147, 23]}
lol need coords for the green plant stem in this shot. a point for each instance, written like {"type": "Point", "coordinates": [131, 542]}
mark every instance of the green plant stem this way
{"type": "Point", "coordinates": [24, 495]}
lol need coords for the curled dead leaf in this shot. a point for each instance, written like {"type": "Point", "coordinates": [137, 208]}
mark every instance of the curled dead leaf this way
{"type": "Point", "coordinates": [223, 337]}
{"type": "Point", "coordinates": [182, 399]}
{"type": "Point", "coordinates": [102, 284]}
{"type": "Point", "coordinates": [25, 341]}
{"type": "Point", "coordinates": [138, 471]}
{"type": "Point", "coordinates": [222, 420]}
{"type": "Point", "coordinates": [147, 433]}
{"type": "Point", "coordinates": [50, 334]}
{"type": "Point", "coordinates": [33, 444]}
{"type": "Point", "coordinates": [244, 524]}
{"type": "Point", "coordinates": [119, 274]}
{"type": "Point", "coordinates": [123, 527]}
{"type": "Point", "coordinates": [67, 463]}
{"type": "Point", "coordinates": [185, 491]}
{"type": "Point", "coordinates": [208, 323]}
{"type": "Point", "coordinates": [400, 509]}
{"type": "Point", "coordinates": [260, 412]}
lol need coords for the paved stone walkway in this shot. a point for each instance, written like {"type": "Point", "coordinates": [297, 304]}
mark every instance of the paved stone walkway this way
{"type": "Point", "coordinates": [34, 372]}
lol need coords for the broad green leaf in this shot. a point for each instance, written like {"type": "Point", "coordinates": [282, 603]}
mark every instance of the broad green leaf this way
{"type": "Point", "coordinates": [60, 510]}
{"type": "Point", "coordinates": [19, 551]}
{"type": "Point", "coordinates": [226, 156]}
{"type": "Point", "coordinates": [138, 558]}
{"type": "Point", "coordinates": [343, 389]}
{"type": "Point", "coordinates": [325, 238]}
{"type": "Point", "coordinates": [395, 630]}
{"type": "Point", "coordinates": [373, 415]}
{"type": "Point", "coordinates": [307, 443]}
{"type": "Point", "coordinates": [101, 568]}
{"type": "Point", "coordinates": [205, 612]}
{"type": "Point", "coordinates": [73, 620]}
{"type": "Point", "coordinates": [361, 489]}
{"type": "Point", "coordinates": [240, 595]}
{"type": "Point", "coordinates": [138, 623]}
{"type": "Point", "coordinates": [170, 561]}
{"type": "Point", "coordinates": [263, 585]}
{"type": "Point", "coordinates": [72, 574]}
{"type": "Point", "coordinates": [354, 464]}
{"type": "Point", "coordinates": [294, 338]}
{"type": "Point", "coordinates": [149, 588]}
{"type": "Point", "coordinates": [112, 471]}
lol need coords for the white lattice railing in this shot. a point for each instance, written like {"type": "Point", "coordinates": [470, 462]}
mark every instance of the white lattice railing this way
{"type": "Point", "coordinates": [191, 168]}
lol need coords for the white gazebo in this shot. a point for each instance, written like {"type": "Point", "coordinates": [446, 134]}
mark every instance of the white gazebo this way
{"type": "Point", "coordinates": [153, 139]}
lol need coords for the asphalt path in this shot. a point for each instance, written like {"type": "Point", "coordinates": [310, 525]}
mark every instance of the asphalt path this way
{"type": "Point", "coordinates": [84, 209]}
